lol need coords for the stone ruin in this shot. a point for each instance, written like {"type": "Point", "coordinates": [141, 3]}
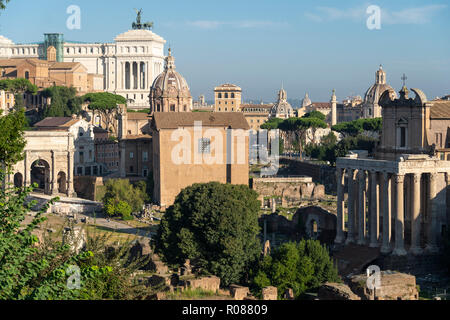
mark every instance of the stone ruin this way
{"type": "Point", "coordinates": [75, 237]}
{"type": "Point", "coordinates": [270, 293]}
{"type": "Point", "coordinates": [394, 286]}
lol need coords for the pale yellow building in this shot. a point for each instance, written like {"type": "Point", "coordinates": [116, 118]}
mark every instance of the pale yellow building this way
{"type": "Point", "coordinates": [228, 98]}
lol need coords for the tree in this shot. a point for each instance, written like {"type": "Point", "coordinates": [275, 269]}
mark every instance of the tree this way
{"type": "Point", "coordinates": [271, 124]}
{"type": "Point", "coordinates": [297, 128]}
{"type": "Point", "coordinates": [300, 266]}
{"type": "Point", "coordinates": [215, 226]}
{"type": "Point", "coordinates": [122, 198]}
{"type": "Point", "coordinates": [3, 4]}
{"type": "Point", "coordinates": [106, 104]}
{"type": "Point", "coordinates": [64, 102]}
{"type": "Point", "coordinates": [315, 114]}
{"type": "Point", "coordinates": [18, 87]}
{"type": "Point", "coordinates": [12, 141]}
{"type": "Point", "coordinates": [356, 127]}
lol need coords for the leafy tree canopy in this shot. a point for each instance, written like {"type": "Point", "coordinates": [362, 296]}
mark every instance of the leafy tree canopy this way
{"type": "Point", "coordinates": [353, 128]}
{"type": "Point", "coordinates": [3, 4]}
{"type": "Point", "coordinates": [315, 114]}
{"type": "Point", "coordinates": [103, 101]}
{"type": "Point", "coordinates": [271, 124]}
{"type": "Point", "coordinates": [120, 192]}
{"type": "Point", "coordinates": [12, 140]}
{"type": "Point", "coordinates": [300, 266]}
{"type": "Point", "coordinates": [64, 102]}
{"type": "Point", "coordinates": [215, 226]}
{"type": "Point", "coordinates": [19, 85]}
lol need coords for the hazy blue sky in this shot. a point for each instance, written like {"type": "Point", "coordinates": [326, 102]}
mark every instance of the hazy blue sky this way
{"type": "Point", "coordinates": [310, 46]}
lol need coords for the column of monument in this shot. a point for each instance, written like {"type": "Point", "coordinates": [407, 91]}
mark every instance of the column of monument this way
{"type": "Point", "coordinates": [361, 207]}
{"type": "Point", "coordinates": [399, 248]}
{"type": "Point", "coordinates": [373, 210]}
{"type": "Point", "coordinates": [386, 200]}
{"type": "Point", "coordinates": [340, 206]}
{"type": "Point", "coordinates": [432, 215]}
{"type": "Point", "coordinates": [416, 216]}
{"type": "Point", "coordinates": [351, 207]}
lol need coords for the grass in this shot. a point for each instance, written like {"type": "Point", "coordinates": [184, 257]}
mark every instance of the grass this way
{"type": "Point", "coordinates": [190, 294]}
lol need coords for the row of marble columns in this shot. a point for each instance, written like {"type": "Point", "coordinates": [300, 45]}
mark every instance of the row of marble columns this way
{"type": "Point", "coordinates": [385, 202]}
{"type": "Point", "coordinates": [134, 74]}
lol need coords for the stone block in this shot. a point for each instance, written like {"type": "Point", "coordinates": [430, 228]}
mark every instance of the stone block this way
{"type": "Point", "coordinates": [336, 291]}
{"type": "Point", "coordinates": [319, 192]}
{"type": "Point", "coordinates": [270, 293]}
{"type": "Point", "coordinates": [239, 292]}
{"type": "Point", "coordinates": [211, 283]}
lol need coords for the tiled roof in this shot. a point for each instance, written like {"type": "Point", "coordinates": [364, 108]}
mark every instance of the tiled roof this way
{"type": "Point", "coordinates": [321, 105]}
{"type": "Point", "coordinates": [138, 116]}
{"type": "Point", "coordinates": [175, 120]}
{"type": "Point", "coordinates": [440, 109]}
{"type": "Point", "coordinates": [56, 122]}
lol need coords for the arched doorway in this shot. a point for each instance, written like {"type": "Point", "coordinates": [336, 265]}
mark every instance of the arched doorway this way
{"type": "Point", "coordinates": [18, 180]}
{"type": "Point", "coordinates": [40, 174]}
{"type": "Point", "coordinates": [62, 182]}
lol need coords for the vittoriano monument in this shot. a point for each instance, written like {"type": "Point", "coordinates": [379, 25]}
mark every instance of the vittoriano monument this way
{"type": "Point", "coordinates": [141, 26]}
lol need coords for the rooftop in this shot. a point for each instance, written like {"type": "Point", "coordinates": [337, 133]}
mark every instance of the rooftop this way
{"type": "Point", "coordinates": [175, 120]}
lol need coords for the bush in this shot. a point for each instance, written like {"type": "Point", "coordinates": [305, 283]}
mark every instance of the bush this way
{"type": "Point", "coordinates": [300, 266]}
{"type": "Point", "coordinates": [215, 226]}
{"type": "Point", "coordinates": [120, 192]}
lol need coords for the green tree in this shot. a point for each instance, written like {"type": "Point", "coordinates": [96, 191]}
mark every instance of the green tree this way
{"type": "Point", "coordinates": [12, 140]}
{"type": "Point", "coordinates": [18, 87]}
{"type": "Point", "coordinates": [300, 266]}
{"type": "Point", "coordinates": [106, 104]}
{"type": "Point", "coordinates": [357, 127]}
{"type": "Point", "coordinates": [215, 226]}
{"type": "Point", "coordinates": [271, 124]}
{"type": "Point", "coordinates": [64, 102]}
{"type": "Point", "coordinates": [315, 114]}
{"type": "Point", "coordinates": [3, 4]}
{"type": "Point", "coordinates": [121, 190]}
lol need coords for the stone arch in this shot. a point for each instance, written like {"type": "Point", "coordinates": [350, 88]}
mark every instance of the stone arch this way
{"type": "Point", "coordinates": [313, 227]}
{"type": "Point", "coordinates": [18, 180]}
{"type": "Point", "coordinates": [40, 174]}
{"type": "Point", "coordinates": [62, 182]}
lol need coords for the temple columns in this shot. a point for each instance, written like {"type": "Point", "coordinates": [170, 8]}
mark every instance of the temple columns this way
{"type": "Point", "coordinates": [386, 207]}
{"type": "Point", "coordinates": [361, 207]}
{"type": "Point", "coordinates": [351, 207]}
{"type": "Point", "coordinates": [374, 220]}
{"type": "Point", "coordinates": [416, 216]}
{"type": "Point", "coordinates": [399, 248]}
{"type": "Point", "coordinates": [432, 216]}
{"type": "Point", "coordinates": [340, 206]}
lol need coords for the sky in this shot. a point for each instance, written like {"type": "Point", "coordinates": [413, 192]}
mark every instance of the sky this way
{"type": "Point", "coordinates": [260, 45]}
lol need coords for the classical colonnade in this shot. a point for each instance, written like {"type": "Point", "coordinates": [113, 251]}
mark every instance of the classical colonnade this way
{"type": "Point", "coordinates": [135, 74]}
{"type": "Point", "coordinates": [375, 196]}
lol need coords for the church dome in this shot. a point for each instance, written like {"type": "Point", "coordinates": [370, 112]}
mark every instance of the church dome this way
{"type": "Point", "coordinates": [374, 93]}
{"type": "Point", "coordinates": [170, 82]}
{"type": "Point", "coordinates": [170, 91]}
{"type": "Point", "coordinates": [306, 101]}
{"type": "Point", "coordinates": [282, 109]}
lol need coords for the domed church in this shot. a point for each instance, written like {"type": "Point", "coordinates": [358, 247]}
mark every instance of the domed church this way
{"type": "Point", "coordinates": [170, 91]}
{"type": "Point", "coordinates": [282, 109]}
{"type": "Point", "coordinates": [370, 106]}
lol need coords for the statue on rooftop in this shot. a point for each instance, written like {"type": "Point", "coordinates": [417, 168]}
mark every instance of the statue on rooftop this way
{"type": "Point", "coordinates": [141, 26]}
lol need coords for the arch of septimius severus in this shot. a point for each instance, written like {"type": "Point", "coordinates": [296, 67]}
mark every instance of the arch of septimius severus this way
{"type": "Point", "coordinates": [397, 199]}
{"type": "Point", "coordinates": [48, 162]}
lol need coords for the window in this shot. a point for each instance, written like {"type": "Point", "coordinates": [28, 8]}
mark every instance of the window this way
{"type": "Point", "coordinates": [27, 75]}
{"type": "Point", "coordinates": [232, 95]}
{"type": "Point", "coordinates": [145, 172]}
{"type": "Point", "coordinates": [402, 137]}
{"type": "Point", "coordinates": [79, 171]}
{"type": "Point", "coordinates": [204, 146]}
{"type": "Point", "coordinates": [226, 95]}
{"type": "Point", "coordinates": [185, 108]}
{"type": "Point", "coordinates": [131, 169]}
{"type": "Point", "coordinates": [219, 96]}
{"type": "Point", "coordinates": [145, 156]}
{"type": "Point", "coordinates": [172, 107]}
{"type": "Point", "coordinates": [131, 155]}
